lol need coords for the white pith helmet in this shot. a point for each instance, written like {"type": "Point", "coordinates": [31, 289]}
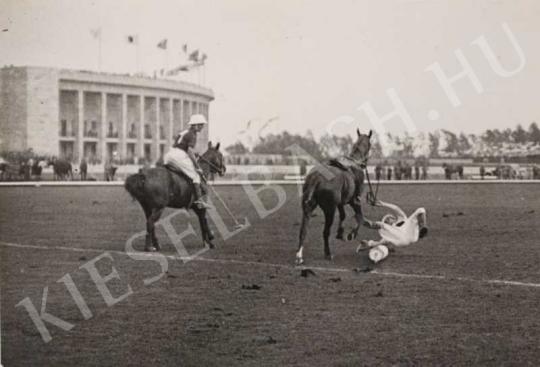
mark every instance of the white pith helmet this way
{"type": "Point", "coordinates": [197, 119]}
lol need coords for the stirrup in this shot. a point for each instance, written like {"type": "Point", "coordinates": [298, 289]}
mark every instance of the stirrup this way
{"type": "Point", "coordinates": [357, 200]}
{"type": "Point", "coordinates": [202, 205]}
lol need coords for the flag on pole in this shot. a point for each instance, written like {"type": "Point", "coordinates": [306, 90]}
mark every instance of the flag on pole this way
{"type": "Point", "coordinates": [177, 70]}
{"type": "Point", "coordinates": [132, 39]}
{"type": "Point", "coordinates": [266, 124]}
{"type": "Point", "coordinates": [194, 56]}
{"type": "Point", "coordinates": [162, 44]}
{"type": "Point", "coordinates": [96, 33]}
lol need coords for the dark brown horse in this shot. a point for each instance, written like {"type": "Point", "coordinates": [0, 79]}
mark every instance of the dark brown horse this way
{"type": "Point", "coordinates": [450, 169]}
{"type": "Point", "coordinates": [62, 169]}
{"type": "Point", "coordinates": [158, 188]}
{"type": "Point", "coordinates": [332, 188]}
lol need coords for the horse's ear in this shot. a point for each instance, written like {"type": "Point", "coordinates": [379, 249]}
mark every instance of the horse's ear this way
{"type": "Point", "coordinates": [370, 133]}
{"type": "Point", "coordinates": [358, 132]}
{"type": "Point", "coordinates": [217, 146]}
{"type": "Point", "coordinates": [209, 145]}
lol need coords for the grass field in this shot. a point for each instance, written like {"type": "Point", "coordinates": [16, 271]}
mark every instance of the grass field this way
{"type": "Point", "coordinates": [441, 302]}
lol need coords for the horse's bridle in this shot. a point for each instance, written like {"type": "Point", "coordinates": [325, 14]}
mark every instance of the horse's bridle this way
{"type": "Point", "coordinates": [362, 161]}
{"type": "Point", "coordinates": [212, 165]}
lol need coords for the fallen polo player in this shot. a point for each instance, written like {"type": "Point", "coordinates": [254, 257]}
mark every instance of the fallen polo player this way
{"type": "Point", "coordinates": [395, 230]}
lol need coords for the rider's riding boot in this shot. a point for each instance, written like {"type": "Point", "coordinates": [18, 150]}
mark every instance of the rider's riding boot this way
{"type": "Point", "coordinates": [198, 197]}
{"type": "Point", "coordinates": [357, 200]}
{"type": "Point", "coordinates": [204, 189]}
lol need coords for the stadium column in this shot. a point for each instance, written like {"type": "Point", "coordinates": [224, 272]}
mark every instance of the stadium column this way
{"type": "Point", "coordinates": [156, 135]}
{"type": "Point", "coordinates": [181, 112]}
{"type": "Point", "coordinates": [171, 122]}
{"type": "Point", "coordinates": [181, 116]}
{"type": "Point", "coordinates": [140, 135]}
{"type": "Point", "coordinates": [103, 127]}
{"type": "Point", "coordinates": [123, 131]}
{"type": "Point", "coordinates": [207, 112]}
{"type": "Point", "coordinates": [80, 124]}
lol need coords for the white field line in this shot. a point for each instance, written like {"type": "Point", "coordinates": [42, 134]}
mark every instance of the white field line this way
{"type": "Point", "coordinates": [281, 266]}
{"type": "Point", "coordinates": [261, 182]}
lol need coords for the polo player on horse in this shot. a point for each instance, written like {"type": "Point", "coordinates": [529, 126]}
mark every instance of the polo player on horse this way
{"type": "Point", "coordinates": [183, 158]}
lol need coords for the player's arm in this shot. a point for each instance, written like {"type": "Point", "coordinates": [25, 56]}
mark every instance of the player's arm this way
{"type": "Point", "coordinates": [190, 142]}
{"type": "Point", "coordinates": [193, 156]}
{"type": "Point", "coordinates": [395, 208]}
{"type": "Point", "coordinates": [372, 225]}
{"type": "Point", "coordinates": [421, 217]}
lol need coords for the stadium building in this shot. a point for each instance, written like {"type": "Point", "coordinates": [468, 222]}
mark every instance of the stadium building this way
{"type": "Point", "coordinates": [75, 114]}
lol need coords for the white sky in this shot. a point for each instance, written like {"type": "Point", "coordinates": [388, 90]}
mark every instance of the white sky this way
{"type": "Point", "coordinates": [308, 62]}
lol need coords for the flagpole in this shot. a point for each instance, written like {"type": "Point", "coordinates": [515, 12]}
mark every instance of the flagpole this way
{"type": "Point", "coordinates": [99, 52]}
{"type": "Point", "coordinates": [204, 73]}
{"type": "Point", "coordinates": [137, 61]}
{"type": "Point", "coordinates": [165, 61]}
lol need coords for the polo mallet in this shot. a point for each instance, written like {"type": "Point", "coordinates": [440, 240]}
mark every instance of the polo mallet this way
{"type": "Point", "coordinates": [237, 224]}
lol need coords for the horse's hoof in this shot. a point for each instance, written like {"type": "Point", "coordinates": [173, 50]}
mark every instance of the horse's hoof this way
{"type": "Point", "coordinates": [209, 244]}
{"type": "Point", "coordinates": [150, 249]}
{"type": "Point", "coordinates": [351, 236]}
{"type": "Point", "coordinates": [329, 257]}
{"type": "Point", "coordinates": [299, 261]}
{"type": "Point", "coordinates": [211, 236]}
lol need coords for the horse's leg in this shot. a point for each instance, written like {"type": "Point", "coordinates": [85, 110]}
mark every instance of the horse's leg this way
{"type": "Point", "coordinates": [302, 237]}
{"type": "Point", "coordinates": [205, 228]}
{"type": "Point", "coordinates": [306, 216]}
{"type": "Point", "coordinates": [359, 218]}
{"type": "Point", "coordinates": [156, 214]}
{"type": "Point", "coordinates": [148, 240]}
{"type": "Point", "coordinates": [329, 213]}
{"type": "Point", "coordinates": [342, 216]}
{"type": "Point", "coordinates": [152, 216]}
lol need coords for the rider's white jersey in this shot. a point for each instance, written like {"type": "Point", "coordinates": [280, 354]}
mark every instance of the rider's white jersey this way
{"type": "Point", "coordinates": [405, 231]}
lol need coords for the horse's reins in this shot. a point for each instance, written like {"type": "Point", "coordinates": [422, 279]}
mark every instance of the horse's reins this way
{"type": "Point", "coordinates": [371, 196]}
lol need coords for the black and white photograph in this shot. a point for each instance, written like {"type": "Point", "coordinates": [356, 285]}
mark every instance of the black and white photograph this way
{"type": "Point", "coordinates": [269, 183]}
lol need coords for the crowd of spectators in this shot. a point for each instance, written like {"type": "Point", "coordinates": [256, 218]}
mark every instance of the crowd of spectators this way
{"type": "Point", "coordinates": [401, 171]}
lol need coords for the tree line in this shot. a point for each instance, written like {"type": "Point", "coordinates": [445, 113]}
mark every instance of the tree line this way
{"type": "Point", "coordinates": [440, 143]}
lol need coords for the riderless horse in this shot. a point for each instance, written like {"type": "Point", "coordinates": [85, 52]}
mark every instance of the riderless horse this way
{"type": "Point", "coordinates": [332, 187]}
{"type": "Point", "coordinates": [62, 169]}
{"type": "Point", "coordinates": [450, 169]}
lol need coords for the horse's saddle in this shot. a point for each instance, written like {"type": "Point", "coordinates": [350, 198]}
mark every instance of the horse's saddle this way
{"type": "Point", "coordinates": [181, 173]}
{"type": "Point", "coordinates": [348, 164]}
{"type": "Point", "coordinates": [175, 170]}
{"type": "Point", "coordinates": [343, 163]}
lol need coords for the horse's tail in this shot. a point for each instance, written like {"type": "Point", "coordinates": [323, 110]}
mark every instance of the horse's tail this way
{"type": "Point", "coordinates": [134, 184]}
{"type": "Point", "coordinates": [310, 186]}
